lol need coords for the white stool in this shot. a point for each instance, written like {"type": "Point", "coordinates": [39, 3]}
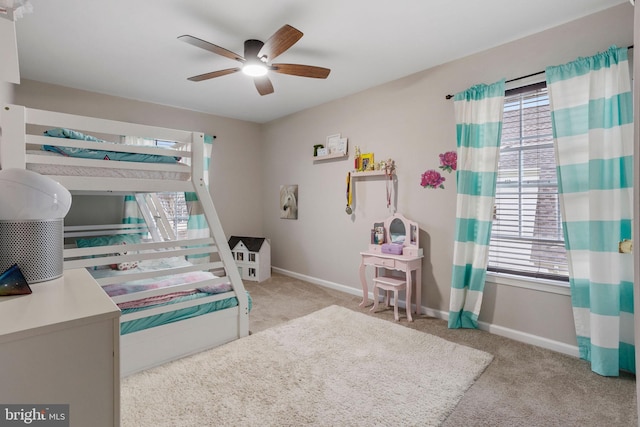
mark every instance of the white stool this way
{"type": "Point", "coordinates": [389, 284]}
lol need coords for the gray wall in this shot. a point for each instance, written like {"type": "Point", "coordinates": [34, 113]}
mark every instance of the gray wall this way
{"type": "Point", "coordinates": [410, 121]}
{"type": "Point", "coordinates": [235, 163]}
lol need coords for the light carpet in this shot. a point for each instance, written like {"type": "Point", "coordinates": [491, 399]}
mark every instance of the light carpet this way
{"type": "Point", "coordinates": [333, 367]}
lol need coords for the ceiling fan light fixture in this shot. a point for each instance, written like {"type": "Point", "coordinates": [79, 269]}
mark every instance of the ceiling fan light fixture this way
{"type": "Point", "coordinates": [257, 58]}
{"type": "Point", "coordinates": [254, 69]}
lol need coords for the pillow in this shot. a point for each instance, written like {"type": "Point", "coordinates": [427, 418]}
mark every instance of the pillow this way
{"type": "Point", "coordinates": [216, 289]}
{"type": "Point", "coordinates": [126, 265]}
{"type": "Point", "coordinates": [71, 134]}
{"type": "Point", "coordinates": [118, 239]}
{"type": "Point", "coordinates": [99, 154]}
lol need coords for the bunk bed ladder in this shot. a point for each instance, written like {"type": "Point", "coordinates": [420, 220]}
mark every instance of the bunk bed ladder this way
{"type": "Point", "coordinates": [217, 233]}
{"type": "Point", "coordinates": [155, 217]}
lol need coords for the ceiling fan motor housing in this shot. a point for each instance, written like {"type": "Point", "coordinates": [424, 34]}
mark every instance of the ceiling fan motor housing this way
{"type": "Point", "coordinates": [252, 48]}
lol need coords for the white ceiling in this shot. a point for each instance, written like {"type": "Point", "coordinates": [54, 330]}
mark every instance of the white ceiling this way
{"type": "Point", "coordinates": [130, 49]}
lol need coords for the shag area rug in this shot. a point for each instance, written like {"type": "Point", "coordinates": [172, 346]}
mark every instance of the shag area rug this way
{"type": "Point", "coordinates": [333, 367]}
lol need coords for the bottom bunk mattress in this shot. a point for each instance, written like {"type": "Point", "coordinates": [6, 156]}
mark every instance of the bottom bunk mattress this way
{"type": "Point", "coordinates": [130, 304]}
{"type": "Point", "coordinates": [136, 325]}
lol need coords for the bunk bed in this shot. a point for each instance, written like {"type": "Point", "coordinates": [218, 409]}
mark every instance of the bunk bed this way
{"type": "Point", "coordinates": [171, 307]}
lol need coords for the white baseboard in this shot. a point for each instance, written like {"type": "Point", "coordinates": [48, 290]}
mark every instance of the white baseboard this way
{"type": "Point", "coordinates": [513, 334]}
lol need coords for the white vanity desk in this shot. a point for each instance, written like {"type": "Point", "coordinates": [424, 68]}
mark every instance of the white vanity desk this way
{"type": "Point", "coordinates": [398, 229]}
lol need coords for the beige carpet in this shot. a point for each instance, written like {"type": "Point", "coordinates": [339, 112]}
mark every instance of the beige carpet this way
{"type": "Point", "coordinates": [333, 367]}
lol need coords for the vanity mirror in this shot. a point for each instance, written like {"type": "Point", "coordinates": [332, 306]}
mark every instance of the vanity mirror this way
{"type": "Point", "coordinates": [400, 231]}
{"type": "Point", "coordinates": [397, 231]}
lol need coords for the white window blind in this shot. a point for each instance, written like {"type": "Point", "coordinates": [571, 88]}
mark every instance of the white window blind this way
{"type": "Point", "coordinates": [175, 208]}
{"type": "Point", "coordinates": [174, 204]}
{"type": "Point", "coordinates": [527, 237]}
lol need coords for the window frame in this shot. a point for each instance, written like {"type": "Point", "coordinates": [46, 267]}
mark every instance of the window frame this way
{"type": "Point", "coordinates": [538, 282]}
{"type": "Point", "coordinates": [179, 223]}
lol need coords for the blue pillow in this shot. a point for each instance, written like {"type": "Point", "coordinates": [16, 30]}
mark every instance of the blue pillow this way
{"type": "Point", "coordinates": [71, 134]}
{"type": "Point", "coordinates": [99, 154]}
{"type": "Point", "coordinates": [116, 239]}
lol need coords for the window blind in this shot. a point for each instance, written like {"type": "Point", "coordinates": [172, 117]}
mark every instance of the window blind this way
{"type": "Point", "coordinates": [175, 208]}
{"type": "Point", "coordinates": [527, 237]}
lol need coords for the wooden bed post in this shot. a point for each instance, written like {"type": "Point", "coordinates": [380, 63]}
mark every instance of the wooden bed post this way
{"type": "Point", "coordinates": [12, 147]}
{"type": "Point", "coordinates": [215, 228]}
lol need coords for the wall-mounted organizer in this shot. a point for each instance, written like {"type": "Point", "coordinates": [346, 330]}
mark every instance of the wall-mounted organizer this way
{"type": "Point", "coordinates": [385, 170]}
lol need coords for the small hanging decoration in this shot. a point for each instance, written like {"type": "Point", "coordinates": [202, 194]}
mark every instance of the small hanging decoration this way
{"type": "Point", "coordinates": [448, 161]}
{"type": "Point", "coordinates": [432, 179]}
{"type": "Point", "coordinates": [389, 167]}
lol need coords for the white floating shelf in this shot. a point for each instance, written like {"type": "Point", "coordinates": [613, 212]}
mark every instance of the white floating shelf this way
{"type": "Point", "coordinates": [330, 156]}
{"type": "Point", "coordinates": [365, 174]}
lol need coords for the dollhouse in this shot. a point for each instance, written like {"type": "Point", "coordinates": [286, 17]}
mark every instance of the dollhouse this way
{"type": "Point", "coordinates": [252, 256]}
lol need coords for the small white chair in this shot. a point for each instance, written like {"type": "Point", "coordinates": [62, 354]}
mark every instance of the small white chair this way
{"type": "Point", "coordinates": [389, 284]}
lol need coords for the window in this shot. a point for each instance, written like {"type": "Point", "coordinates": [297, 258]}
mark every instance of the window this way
{"type": "Point", "coordinates": [174, 203]}
{"type": "Point", "coordinates": [175, 207]}
{"type": "Point", "coordinates": [526, 236]}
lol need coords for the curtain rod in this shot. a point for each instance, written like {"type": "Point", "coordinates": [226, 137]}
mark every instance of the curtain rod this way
{"type": "Point", "coordinates": [523, 77]}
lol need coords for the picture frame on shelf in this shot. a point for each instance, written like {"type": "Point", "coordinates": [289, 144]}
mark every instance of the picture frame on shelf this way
{"type": "Point", "coordinates": [366, 161]}
{"type": "Point", "coordinates": [332, 143]}
{"type": "Point", "coordinates": [322, 152]}
{"type": "Point", "coordinates": [342, 146]}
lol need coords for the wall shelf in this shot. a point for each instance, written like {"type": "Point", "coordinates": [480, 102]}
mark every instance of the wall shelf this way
{"type": "Point", "coordinates": [330, 157]}
{"type": "Point", "coordinates": [365, 174]}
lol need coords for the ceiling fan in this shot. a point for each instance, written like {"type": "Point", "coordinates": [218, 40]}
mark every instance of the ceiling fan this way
{"type": "Point", "coordinates": [257, 59]}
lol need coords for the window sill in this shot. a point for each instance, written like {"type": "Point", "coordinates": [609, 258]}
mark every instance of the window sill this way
{"type": "Point", "coordinates": [541, 285]}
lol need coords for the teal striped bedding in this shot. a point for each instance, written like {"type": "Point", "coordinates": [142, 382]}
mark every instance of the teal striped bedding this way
{"type": "Point", "coordinates": [176, 315]}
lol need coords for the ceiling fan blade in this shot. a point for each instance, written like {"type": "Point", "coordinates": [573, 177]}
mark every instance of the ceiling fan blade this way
{"type": "Point", "coordinates": [263, 84]}
{"type": "Point", "coordinates": [279, 42]}
{"type": "Point", "coordinates": [301, 70]}
{"type": "Point", "coordinates": [211, 47]}
{"type": "Point", "coordinates": [207, 76]}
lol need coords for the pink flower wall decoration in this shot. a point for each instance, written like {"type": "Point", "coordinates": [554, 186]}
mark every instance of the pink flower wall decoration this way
{"type": "Point", "coordinates": [449, 161]}
{"type": "Point", "coordinates": [432, 179]}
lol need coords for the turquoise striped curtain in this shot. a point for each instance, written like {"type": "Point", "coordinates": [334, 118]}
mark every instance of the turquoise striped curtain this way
{"type": "Point", "coordinates": [132, 214]}
{"type": "Point", "coordinates": [592, 115]}
{"type": "Point", "coordinates": [197, 226]}
{"type": "Point", "coordinates": [478, 113]}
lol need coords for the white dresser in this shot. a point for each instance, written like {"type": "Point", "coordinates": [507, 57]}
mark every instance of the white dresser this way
{"type": "Point", "coordinates": [60, 345]}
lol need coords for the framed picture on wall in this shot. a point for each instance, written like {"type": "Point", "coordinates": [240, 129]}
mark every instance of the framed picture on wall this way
{"type": "Point", "coordinates": [289, 201]}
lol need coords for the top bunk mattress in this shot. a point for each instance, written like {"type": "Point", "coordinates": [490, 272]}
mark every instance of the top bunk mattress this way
{"type": "Point", "coordinates": [79, 171]}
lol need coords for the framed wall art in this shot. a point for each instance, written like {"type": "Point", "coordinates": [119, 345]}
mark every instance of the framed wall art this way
{"type": "Point", "coordinates": [289, 201]}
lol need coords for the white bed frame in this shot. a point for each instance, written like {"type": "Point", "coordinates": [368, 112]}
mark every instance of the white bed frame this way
{"type": "Point", "coordinates": [22, 129]}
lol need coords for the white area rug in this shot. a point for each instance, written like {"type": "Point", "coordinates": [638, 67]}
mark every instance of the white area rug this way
{"type": "Point", "coordinates": [334, 367]}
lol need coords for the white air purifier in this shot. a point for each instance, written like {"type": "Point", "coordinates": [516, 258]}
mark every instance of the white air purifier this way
{"type": "Point", "coordinates": [32, 211]}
